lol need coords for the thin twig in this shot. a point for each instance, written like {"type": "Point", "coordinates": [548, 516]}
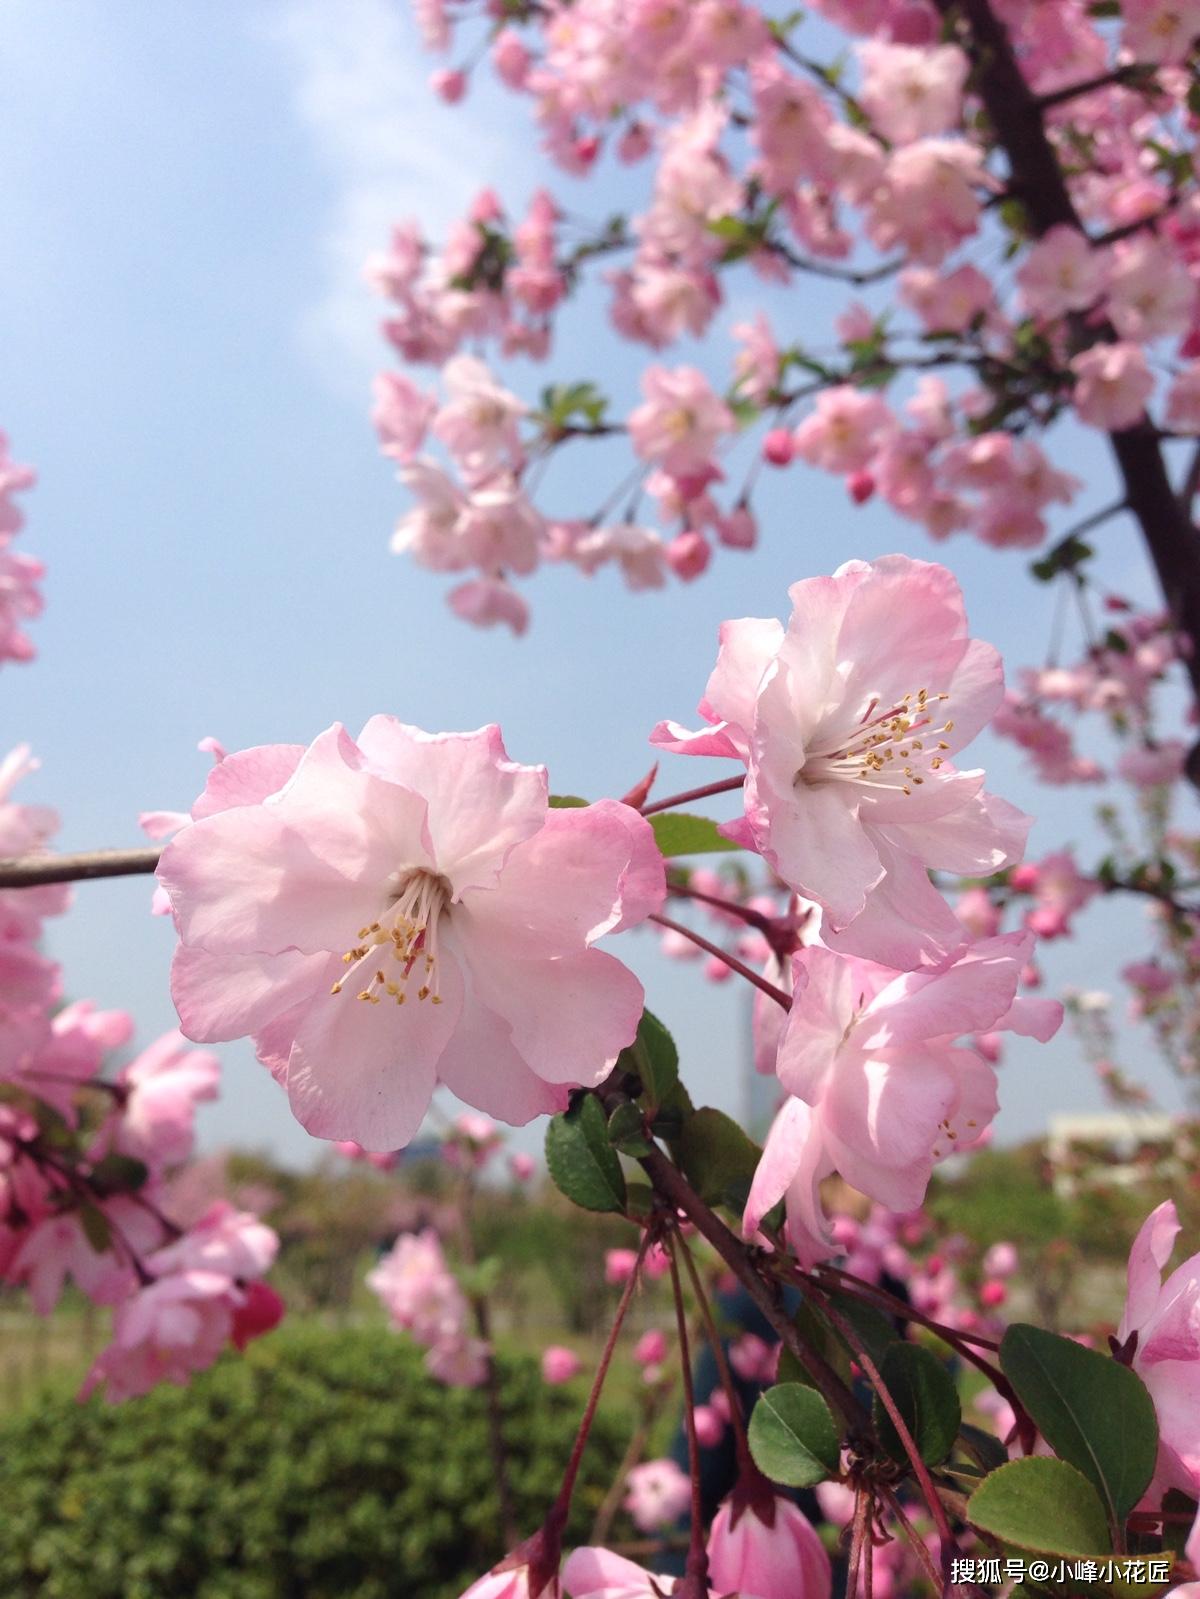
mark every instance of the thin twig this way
{"type": "Point", "coordinates": [27, 871]}
{"type": "Point", "coordinates": [735, 965]}
{"type": "Point", "coordinates": [725, 786]}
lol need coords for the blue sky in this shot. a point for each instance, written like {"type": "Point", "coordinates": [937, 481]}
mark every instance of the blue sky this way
{"type": "Point", "coordinates": [186, 346]}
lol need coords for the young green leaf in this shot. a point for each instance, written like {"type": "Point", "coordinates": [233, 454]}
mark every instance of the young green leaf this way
{"type": "Point", "coordinates": [581, 1161]}
{"type": "Point", "coordinates": [679, 833]}
{"type": "Point", "coordinates": [924, 1393]}
{"type": "Point", "coordinates": [1092, 1411]}
{"type": "Point", "coordinates": [1042, 1505]}
{"type": "Point", "coordinates": [792, 1436]}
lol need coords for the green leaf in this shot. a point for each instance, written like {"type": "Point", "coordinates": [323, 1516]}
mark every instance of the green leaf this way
{"type": "Point", "coordinates": [1042, 1505]}
{"type": "Point", "coordinates": [815, 1333]}
{"type": "Point", "coordinates": [95, 1227]}
{"type": "Point", "coordinates": [653, 1058]}
{"type": "Point", "coordinates": [119, 1174]}
{"type": "Point", "coordinates": [678, 833]}
{"type": "Point", "coordinates": [987, 1451]}
{"type": "Point", "coordinates": [792, 1436]}
{"type": "Point", "coordinates": [718, 1158]}
{"type": "Point", "coordinates": [567, 802]}
{"type": "Point", "coordinates": [627, 1132]}
{"type": "Point", "coordinates": [1064, 557]}
{"type": "Point", "coordinates": [1091, 1410]}
{"type": "Point", "coordinates": [924, 1394]}
{"type": "Point", "coordinates": [582, 1163]}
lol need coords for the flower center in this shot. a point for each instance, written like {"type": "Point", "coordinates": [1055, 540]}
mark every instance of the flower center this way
{"type": "Point", "coordinates": [901, 745]}
{"type": "Point", "coordinates": [407, 934]}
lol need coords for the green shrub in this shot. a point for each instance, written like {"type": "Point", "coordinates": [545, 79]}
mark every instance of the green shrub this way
{"type": "Point", "coordinates": [321, 1465]}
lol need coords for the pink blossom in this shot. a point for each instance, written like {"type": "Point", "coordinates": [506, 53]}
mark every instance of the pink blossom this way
{"type": "Point", "coordinates": [927, 203]}
{"type": "Point", "coordinates": [1001, 1260]}
{"type": "Point", "coordinates": [638, 551]}
{"type": "Point", "coordinates": [1149, 765]}
{"type": "Point", "coordinates": [598, 1574]}
{"type": "Point", "coordinates": [844, 429]}
{"type": "Point", "coordinates": [425, 875]}
{"type": "Point", "coordinates": [224, 1240]}
{"type": "Point", "coordinates": [738, 530]}
{"type": "Point", "coordinates": [756, 365]}
{"type": "Point", "coordinates": [1113, 383]}
{"type": "Point", "coordinates": [977, 912]}
{"type": "Point", "coordinates": [1160, 30]}
{"type": "Point", "coordinates": [165, 1332]}
{"type": "Point", "coordinates": [1150, 292]}
{"type": "Point", "coordinates": [1165, 1317]}
{"type": "Point", "coordinates": [401, 415]}
{"type": "Point", "coordinates": [560, 1364]}
{"type": "Point", "coordinates": [619, 1265]}
{"type": "Point", "coordinates": [777, 447]}
{"type": "Point", "coordinates": [1060, 892]}
{"type": "Point", "coordinates": [680, 421]}
{"type": "Point", "coordinates": [770, 1551]}
{"type": "Point", "coordinates": [511, 1582]}
{"type": "Point", "coordinates": [479, 422]}
{"type": "Point", "coordinates": [753, 1358]}
{"type": "Point", "coordinates": [881, 1091]}
{"type": "Point", "coordinates": [658, 1493]}
{"type": "Point", "coordinates": [910, 93]}
{"type": "Point", "coordinates": [458, 1361]}
{"type": "Point", "coordinates": [488, 602]}
{"type": "Point", "coordinates": [688, 554]}
{"type": "Point", "coordinates": [710, 1426]}
{"type": "Point", "coordinates": [847, 721]}
{"type": "Point", "coordinates": [417, 1288]}
{"type": "Point", "coordinates": [510, 58]}
{"type": "Point", "coordinates": [947, 301]}
{"type": "Point", "coordinates": [651, 1348]}
{"type": "Point", "coordinates": [522, 1167]}
{"type": "Point", "coordinates": [163, 1086]}
{"type": "Point", "coordinates": [1062, 272]}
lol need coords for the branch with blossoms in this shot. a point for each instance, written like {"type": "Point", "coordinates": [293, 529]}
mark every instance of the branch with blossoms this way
{"type": "Point", "coordinates": [947, 137]}
{"type": "Point", "coordinates": [387, 913]}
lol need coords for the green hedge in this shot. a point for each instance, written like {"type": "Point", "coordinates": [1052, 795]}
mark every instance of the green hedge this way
{"type": "Point", "coordinates": [321, 1465]}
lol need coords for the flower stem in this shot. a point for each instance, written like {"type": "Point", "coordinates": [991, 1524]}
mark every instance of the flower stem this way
{"type": "Point", "coordinates": [697, 1555]}
{"type": "Point", "coordinates": [735, 965]}
{"type": "Point", "coordinates": [725, 786]}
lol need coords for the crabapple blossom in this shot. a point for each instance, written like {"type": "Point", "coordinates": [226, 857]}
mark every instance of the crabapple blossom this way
{"type": "Point", "coordinates": [878, 1088]}
{"type": "Point", "coordinates": [414, 911]}
{"type": "Point", "coordinates": [560, 1364]}
{"type": "Point", "coordinates": [847, 721]}
{"type": "Point", "coordinates": [1159, 1335]}
{"type": "Point", "coordinates": [657, 1494]}
{"type": "Point", "coordinates": [681, 420]}
{"type": "Point", "coordinates": [1062, 273]}
{"type": "Point", "coordinates": [908, 92]}
{"type": "Point", "coordinates": [600, 1574]}
{"type": "Point", "coordinates": [163, 1086]}
{"type": "Point", "coordinates": [1113, 383]}
{"type": "Point", "coordinates": [770, 1551]}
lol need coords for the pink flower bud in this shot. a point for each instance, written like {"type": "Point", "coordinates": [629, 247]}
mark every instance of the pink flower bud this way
{"type": "Point", "coordinates": [619, 1265]}
{"type": "Point", "coordinates": [449, 85]}
{"type": "Point", "coordinates": [710, 1427]}
{"type": "Point", "coordinates": [1024, 878]}
{"type": "Point", "coordinates": [738, 530]}
{"type": "Point", "coordinates": [688, 554]}
{"type": "Point", "coordinates": [992, 1294]}
{"type": "Point", "coordinates": [651, 1348]}
{"type": "Point", "coordinates": [777, 447]}
{"type": "Point", "coordinates": [861, 486]}
{"type": "Point", "coordinates": [559, 1365]}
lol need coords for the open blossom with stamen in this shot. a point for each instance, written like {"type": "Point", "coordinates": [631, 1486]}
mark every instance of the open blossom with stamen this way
{"type": "Point", "coordinates": [880, 1090]}
{"type": "Point", "coordinates": [848, 720]}
{"type": "Point", "coordinates": [385, 913]}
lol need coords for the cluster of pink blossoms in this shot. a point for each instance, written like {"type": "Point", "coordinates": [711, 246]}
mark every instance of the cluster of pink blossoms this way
{"type": "Point", "coordinates": [87, 1159]}
{"type": "Point", "coordinates": [85, 1163]}
{"type": "Point", "coordinates": [847, 721]}
{"type": "Point", "coordinates": [20, 574]}
{"type": "Point", "coordinates": [763, 158]}
{"type": "Point", "coordinates": [421, 1296]}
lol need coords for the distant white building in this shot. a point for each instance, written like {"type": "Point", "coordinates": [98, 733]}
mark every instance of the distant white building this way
{"type": "Point", "coordinates": [1114, 1148]}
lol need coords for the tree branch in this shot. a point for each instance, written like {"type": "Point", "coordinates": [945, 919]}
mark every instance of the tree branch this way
{"type": "Point", "coordinates": [27, 871]}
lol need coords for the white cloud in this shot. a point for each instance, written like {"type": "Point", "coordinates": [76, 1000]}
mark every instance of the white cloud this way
{"type": "Point", "coordinates": [392, 150]}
